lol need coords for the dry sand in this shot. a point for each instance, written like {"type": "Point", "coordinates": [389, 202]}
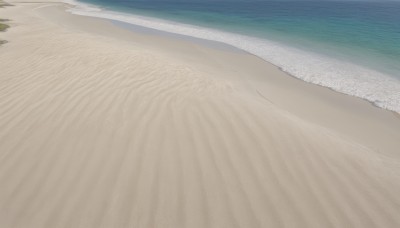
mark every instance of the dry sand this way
{"type": "Point", "coordinates": [102, 127]}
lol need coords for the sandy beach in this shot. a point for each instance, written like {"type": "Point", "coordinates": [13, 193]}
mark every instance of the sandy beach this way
{"type": "Point", "coordinates": [102, 126]}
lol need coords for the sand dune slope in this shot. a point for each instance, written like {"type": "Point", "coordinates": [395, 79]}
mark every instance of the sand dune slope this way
{"type": "Point", "coordinates": [96, 133]}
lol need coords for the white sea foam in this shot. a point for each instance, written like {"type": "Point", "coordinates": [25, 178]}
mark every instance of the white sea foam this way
{"type": "Point", "coordinates": [378, 88]}
{"type": "Point", "coordinates": [80, 6]}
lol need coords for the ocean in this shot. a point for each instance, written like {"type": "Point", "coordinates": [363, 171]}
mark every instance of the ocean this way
{"type": "Point", "coordinates": [352, 47]}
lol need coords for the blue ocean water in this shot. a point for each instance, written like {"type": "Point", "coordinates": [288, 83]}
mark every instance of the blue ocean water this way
{"type": "Point", "coordinates": [350, 46]}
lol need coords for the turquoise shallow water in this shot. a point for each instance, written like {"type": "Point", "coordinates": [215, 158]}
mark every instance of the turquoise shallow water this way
{"type": "Point", "coordinates": [329, 34]}
{"type": "Point", "coordinates": [367, 30]}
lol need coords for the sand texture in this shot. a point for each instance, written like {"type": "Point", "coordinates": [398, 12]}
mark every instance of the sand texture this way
{"type": "Point", "coordinates": [102, 132]}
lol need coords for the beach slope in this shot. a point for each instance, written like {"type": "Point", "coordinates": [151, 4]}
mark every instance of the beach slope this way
{"type": "Point", "coordinates": [97, 131]}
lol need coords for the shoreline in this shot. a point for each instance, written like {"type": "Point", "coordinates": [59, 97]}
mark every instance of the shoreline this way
{"type": "Point", "coordinates": [336, 106]}
{"type": "Point", "coordinates": [224, 46]}
{"type": "Point", "coordinates": [323, 76]}
{"type": "Point", "coordinates": [102, 126]}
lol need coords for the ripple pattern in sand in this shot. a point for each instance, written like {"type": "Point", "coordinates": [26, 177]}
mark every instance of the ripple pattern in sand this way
{"type": "Point", "coordinates": [94, 134]}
